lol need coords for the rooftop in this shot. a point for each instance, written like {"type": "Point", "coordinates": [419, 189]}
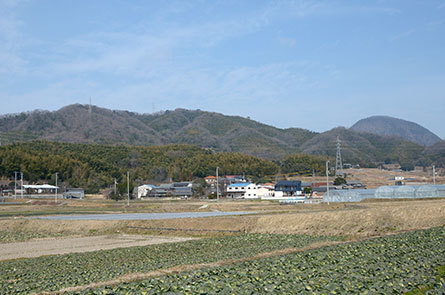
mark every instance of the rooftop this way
{"type": "Point", "coordinates": [239, 184]}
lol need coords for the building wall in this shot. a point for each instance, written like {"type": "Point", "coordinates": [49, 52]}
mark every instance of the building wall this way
{"type": "Point", "coordinates": [249, 191]}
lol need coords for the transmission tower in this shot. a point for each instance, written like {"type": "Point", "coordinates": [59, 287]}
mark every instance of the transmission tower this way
{"type": "Point", "coordinates": [338, 162]}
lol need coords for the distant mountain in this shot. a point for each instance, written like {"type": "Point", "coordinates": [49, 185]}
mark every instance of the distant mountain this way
{"type": "Point", "coordinates": [217, 132]}
{"type": "Point", "coordinates": [76, 124]}
{"type": "Point", "coordinates": [389, 126]}
{"type": "Point", "coordinates": [363, 148]}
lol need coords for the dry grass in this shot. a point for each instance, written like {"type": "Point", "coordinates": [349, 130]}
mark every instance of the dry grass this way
{"type": "Point", "coordinates": [374, 177]}
{"type": "Point", "coordinates": [360, 219]}
{"type": "Point", "coordinates": [370, 219]}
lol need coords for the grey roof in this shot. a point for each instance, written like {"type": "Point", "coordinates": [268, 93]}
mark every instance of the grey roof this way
{"type": "Point", "coordinates": [181, 184]}
{"type": "Point", "coordinates": [288, 183]}
{"type": "Point", "coordinates": [166, 185]}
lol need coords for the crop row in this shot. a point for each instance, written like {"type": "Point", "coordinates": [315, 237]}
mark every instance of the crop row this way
{"type": "Point", "coordinates": [51, 273]}
{"type": "Point", "coordinates": [389, 265]}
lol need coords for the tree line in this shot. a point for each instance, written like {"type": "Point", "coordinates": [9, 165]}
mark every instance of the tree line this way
{"type": "Point", "coordinates": [95, 166]}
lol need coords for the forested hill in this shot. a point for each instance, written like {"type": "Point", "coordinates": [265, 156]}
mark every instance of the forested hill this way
{"type": "Point", "coordinates": [214, 131]}
{"type": "Point", "coordinates": [94, 166]}
{"type": "Point", "coordinates": [367, 149]}
{"type": "Point", "coordinates": [389, 126]}
{"type": "Point", "coordinates": [75, 123]}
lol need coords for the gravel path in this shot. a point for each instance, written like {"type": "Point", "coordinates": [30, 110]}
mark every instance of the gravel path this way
{"type": "Point", "coordinates": [53, 246]}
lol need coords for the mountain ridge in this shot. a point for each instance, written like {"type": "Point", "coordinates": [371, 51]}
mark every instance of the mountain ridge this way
{"type": "Point", "coordinates": [215, 131]}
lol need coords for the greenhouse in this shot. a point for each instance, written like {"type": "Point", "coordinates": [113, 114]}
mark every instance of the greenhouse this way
{"type": "Point", "coordinates": [387, 192]}
{"type": "Point", "coordinates": [405, 192]}
{"type": "Point", "coordinates": [353, 195]}
{"type": "Point", "coordinates": [430, 191]}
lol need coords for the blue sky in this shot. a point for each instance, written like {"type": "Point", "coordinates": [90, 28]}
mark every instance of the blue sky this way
{"type": "Point", "coordinates": [310, 64]}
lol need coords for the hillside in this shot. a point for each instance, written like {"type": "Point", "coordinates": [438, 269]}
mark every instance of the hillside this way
{"type": "Point", "coordinates": [363, 148]}
{"type": "Point", "coordinates": [75, 124]}
{"type": "Point", "coordinates": [389, 126]}
{"type": "Point", "coordinates": [436, 153]}
{"type": "Point", "coordinates": [209, 130]}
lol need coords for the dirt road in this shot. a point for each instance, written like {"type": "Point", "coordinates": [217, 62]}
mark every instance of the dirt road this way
{"type": "Point", "coordinates": [42, 247]}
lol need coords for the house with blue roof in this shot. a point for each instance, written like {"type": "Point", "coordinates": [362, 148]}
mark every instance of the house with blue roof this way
{"type": "Point", "coordinates": [290, 188]}
{"type": "Point", "coordinates": [242, 190]}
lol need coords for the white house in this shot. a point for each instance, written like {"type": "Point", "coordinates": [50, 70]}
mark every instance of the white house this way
{"type": "Point", "coordinates": [144, 190]}
{"type": "Point", "coordinates": [245, 190]}
{"type": "Point", "coordinates": [266, 190]}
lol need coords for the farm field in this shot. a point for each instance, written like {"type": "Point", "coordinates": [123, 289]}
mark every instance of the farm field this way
{"type": "Point", "coordinates": [353, 220]}
{"type": "Point", "coordinates": [375, 177]}
{"type": "Point", "coordinates": [279, 248]}
{"type": "Point", "coordinates": [42, 247]}
{"type": "Point", "coordinates": [394, 264]}
{"type": "Point", "coordinates": [51, 273]}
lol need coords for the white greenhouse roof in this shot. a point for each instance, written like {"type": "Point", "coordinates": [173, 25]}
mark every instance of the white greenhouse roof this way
{"type": "Point", "coordinates": [40, 186]}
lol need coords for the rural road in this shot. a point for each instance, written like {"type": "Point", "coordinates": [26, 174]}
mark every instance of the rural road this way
{"type": "Point", "coordinates": [42, 247]}
{"type": "Point", "coordinates": [140, 216]}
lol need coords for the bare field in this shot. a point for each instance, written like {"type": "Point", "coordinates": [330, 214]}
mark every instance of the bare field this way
{"type": "Point", "coordinates": [39, 207]}
{"type": "Point", "coordinates": [374, 177]}
{"type": "Point", "coordinates": [42, 247]}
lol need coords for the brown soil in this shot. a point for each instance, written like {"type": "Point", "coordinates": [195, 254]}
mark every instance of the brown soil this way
{"type": "Point", "coordinates": [374, 177]}
{"type": "Point", "coordinates": [42, 247]}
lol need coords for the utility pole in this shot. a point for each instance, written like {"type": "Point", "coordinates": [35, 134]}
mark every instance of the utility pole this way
{"type": "Point", "coordinates": [15, 185]}
{"type": "Point", "coordinates": [434, 174]}
{"type": "Point", "coordinates": [217, 184]}
{"type": "Point", "coordinates": [327, 179]}
{"type": "Point", "coordinates": [115, 182]}
{"type": "Point", "coordinates": [128, 188]}
{"type": "Point", "coordinates": [21, 181]}
{"type": "Point", "coordinates": [56, 187]}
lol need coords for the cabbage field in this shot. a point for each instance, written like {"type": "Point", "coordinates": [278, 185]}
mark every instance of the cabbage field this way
{"type": "Point", "coordinates": [388, 265]}
{"type": "Point", "coordinates": [50, 273]}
